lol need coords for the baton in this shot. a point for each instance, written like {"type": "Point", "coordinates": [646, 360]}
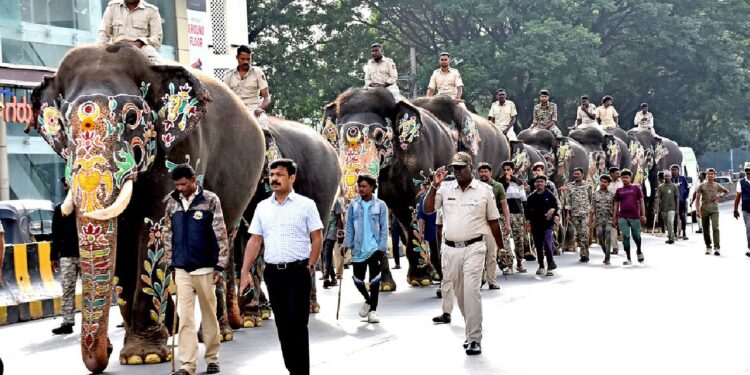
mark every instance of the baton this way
{"type": "Point", "coordinates": [338, 304]}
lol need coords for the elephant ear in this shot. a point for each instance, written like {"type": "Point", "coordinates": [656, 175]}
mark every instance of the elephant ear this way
{"type": "Point", "coordinates": [612, 149]}
{"type": "Point", "coordinates": [328, 127]}
{"type": "Point", "coordinates": [468, 140]}
{"type": "Point", "coordinates": [407, 125]}
{"type": "Point", "coordinates": [520, 158]}
{"type": "Point", "coordinates": [48, 118]}
{"type": "Point", "coordinates": [180, 100]}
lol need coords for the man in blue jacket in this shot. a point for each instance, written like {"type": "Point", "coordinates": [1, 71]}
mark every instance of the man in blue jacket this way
{"type": "Point", "coordinates": [367, 237]}
{"type": "Point", "coordinates": [683, 191]}
{"type": "Point", "coordinates": [195, 244]}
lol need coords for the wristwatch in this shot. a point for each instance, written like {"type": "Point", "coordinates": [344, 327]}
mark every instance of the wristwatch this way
{"type": "Point", "coordinates": [311, 267]}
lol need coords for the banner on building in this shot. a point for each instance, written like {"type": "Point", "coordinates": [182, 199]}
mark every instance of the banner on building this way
{"type": "Point", "coordinates": [198, 35]}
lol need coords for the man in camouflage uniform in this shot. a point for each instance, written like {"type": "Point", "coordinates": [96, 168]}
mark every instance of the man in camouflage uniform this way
{"type": "Point", "coordinates": [578, 204]}
{"type": "Point", "coordinates": [516, 198]}
{"type": "Point", "coordinates": [65, 257]}
{"type": "Point", "coordinates": [504, 257]}
{"type": "Point", "coordinates": [603, 203]}
{"type": "Point", "coordinates": [545, 114]}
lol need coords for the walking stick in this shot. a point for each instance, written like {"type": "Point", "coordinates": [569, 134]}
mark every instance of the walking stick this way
{"type": "Point", "coordinates": [653, 229]}
{"type": "Point", "coordinates": [338, 304]}
{"type": "Point", "coordinates": [174, 321]}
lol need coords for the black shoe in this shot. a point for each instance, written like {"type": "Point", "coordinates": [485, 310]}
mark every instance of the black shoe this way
{"type": "Point", "coordinates": [397, 267]}
{"type": "Point", "coordinates": [474, 348]}
{"type": "Point", "coordinates": [583, 260]}
{"type": "Point", "coordinates": [494, 287]}
{"type": "Point", "coordinates": [326, 284]}
{"type": "Point", "coordinates": [699, 231]}
{"type": "Point", "coordinates": [552, 266]}
{"type": "Point", "coordinates": [213, 368]}
{"type": "Point", "coordinates": [445, 318]}
{"type": "Point", "coordinates": [670, 242]}
{"type": "Point", "coordinates": [615, 251]}
{"type": "Point", "coordinates": [466, 344]}
{"type": "Point", "coordinates": [684, 238]}
{"type": "Point", "coordinates": [640, 258]}
{"type": "Point", "coordinates": [346, 266]}
{"type": "Point", "coordinates": [439, 293]}
{"type": "Point", "coordinates": [63, 329]}
{"type": "Point", "coordinates": [181, 372]}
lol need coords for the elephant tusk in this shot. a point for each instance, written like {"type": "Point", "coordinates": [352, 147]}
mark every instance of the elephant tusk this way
{"type": "Point", "coordinates": [68, 206]}
{"type": "Point", "coordinates": [114, 210]}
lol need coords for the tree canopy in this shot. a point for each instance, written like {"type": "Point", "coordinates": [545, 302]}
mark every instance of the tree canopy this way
{"type": "Point", "coordinates": [689, 59]}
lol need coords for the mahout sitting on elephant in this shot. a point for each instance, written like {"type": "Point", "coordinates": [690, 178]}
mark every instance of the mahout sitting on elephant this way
{"type": "Point", "coordinates": [122, 124]}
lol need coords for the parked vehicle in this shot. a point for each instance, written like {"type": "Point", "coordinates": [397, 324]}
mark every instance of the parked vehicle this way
{"type": "Point", "coordinates": [729, 184]}
{"type": "Point", "coordinates": [26, 220]}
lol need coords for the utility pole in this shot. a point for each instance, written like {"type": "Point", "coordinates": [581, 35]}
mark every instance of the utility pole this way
{"type": "Point", "coordinates": [413, 60]}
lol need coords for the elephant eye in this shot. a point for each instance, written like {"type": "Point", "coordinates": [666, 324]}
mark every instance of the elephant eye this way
{"type": "Point", "coordinates": [137, 155]}
{"type": "Point", "coordinates": [378, 135]}
{"type": "Point", "coordinates": [131, 117]}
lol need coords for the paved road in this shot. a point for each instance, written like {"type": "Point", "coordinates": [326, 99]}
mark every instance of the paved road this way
{"type": "Point", "coordinates": [682, 312]}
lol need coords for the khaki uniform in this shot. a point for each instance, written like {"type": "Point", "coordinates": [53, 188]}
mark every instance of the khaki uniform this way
{"type": "Point", "coordinates": [502, 115]}
{"type": "Point", "coordinates": [249, 87]}
{"type": "Point", "coordinates": [446, 83]}
{"type": "Point", "coordinates": [493, 255]}
{"type": "Point", "coordinates": [607, 116]}
{"type": "Point", "coordinates": [585, 119]}
{"type": "Point", "coordinates": [578, 201]}
{"type": "Point", "coordinates": [384, 73]}
{"type": "Point", "coordinates": [465, 216]}
{"type": "Point", "coordinates": [544, 115]}
{"type": "Point", "coordinates": [143, 23]}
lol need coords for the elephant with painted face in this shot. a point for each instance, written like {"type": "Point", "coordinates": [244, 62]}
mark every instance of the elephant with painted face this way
{"type": "Point", "coordinates": [650, 154]}
{"type": "Point", "coordinates": [318, 178]}
{"type": "Point", "coordinates": [474, 134]}
{"type": "Point", "coordinates": [523, 157]}
{"type": "Point", "coordinates": [604, 150]}
{"type": "Point", "coordinates": [400, 144]}
{"type": "Point", "coordinates": [561, 154]}
{"type": "Point", "coordinates": [122, 124]}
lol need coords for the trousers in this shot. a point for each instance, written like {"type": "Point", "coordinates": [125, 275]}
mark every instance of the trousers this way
{"type": "Point", "coordinates": [462, 270]}
{"type": "Point", "coordinates": [490, 260]}
{"type": "Point", "coordinates": [289, 291]}
{"type": "Point", "coordinates": [374, 264]}
{"type": "Point", "coordinates": [328, 271]}
{"type": "Point", "coordinates": [544, 240]}
{"type": "Point", "coordinates": [603, 232]}
{"type": "Point", "coordinates": [630, 227]}
{"type": "Point", "coordinates": [188, 288]}
{"type": "Point", "coordinates": [710, 220]}
{"type": "Point", "coordinates": [668, 217]}
{"type": "Point", "coordinates": [70, 268]}
{"type": "Point", "coordinates": [746, 219]}
{"type": "Point", "coordinates": [581, 225]}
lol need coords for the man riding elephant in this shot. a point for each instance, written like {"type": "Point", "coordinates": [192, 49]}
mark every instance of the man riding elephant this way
{"type": "Point", "coordinates": [122, 124]}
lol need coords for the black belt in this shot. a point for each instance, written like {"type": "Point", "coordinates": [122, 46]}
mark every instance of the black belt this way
{"type": "Point", "coordinates": [283, 266]}
{"type": "Point", "coordinates": [464, 243]}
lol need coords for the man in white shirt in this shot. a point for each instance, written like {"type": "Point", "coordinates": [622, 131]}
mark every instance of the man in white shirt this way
{"type": "Point", "coordinates": [446, 80]}
{"type": "Point", "coordinates": [503, 114]}
{"type": "Point", "coordinates": [585, 114]}
{"type": "Point", "coordinates": [606, 114]}
{"type": "Point", "coordinates": [288, 225]}
{"type": "Point", "coordinates": [644, 119]}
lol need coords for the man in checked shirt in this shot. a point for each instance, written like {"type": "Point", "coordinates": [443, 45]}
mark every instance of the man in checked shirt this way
{"type": "Point", "coordinates": [289, 227]}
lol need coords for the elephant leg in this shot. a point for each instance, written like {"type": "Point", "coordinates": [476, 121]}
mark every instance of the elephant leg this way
{"type": "Point", "coordinates": [418, 255]}
{"type": "Point", "coordinates": [146, 334]}
{"type": "Point", "coordinates": [251, 307]}
{"type": "Point", "coordinates": [265, 306]}
{"type": "Point", "coordinates": [387, 284]}
{"type": "Point", "coordinates": [225, 331]}
{"type": "Point", "coordinates": [234, 317]}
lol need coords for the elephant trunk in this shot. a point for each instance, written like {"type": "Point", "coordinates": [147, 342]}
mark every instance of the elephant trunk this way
{"type": "Point", "coordinates": [97, 243]}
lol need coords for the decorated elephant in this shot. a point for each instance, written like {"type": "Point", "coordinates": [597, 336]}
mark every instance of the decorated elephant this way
{"type": "Point", "coordinates": [561, 154]}
{"type": "Point", "coordinates": [619, 133]}
{"type": "Point", "coordinates": [318, 178]}
{"type": "Point", "coordinates": [604, 150]}
{"type": "Point", "coordinates": [650, 154]}
{"type": "Point", "coordinates": [400, 144]}
{"type": "Point", "coordinates": [474, 134]}
{"type": "Point", "coordinates": [122, 125]}
{"type": "Point", "coordinates": [523, 157]}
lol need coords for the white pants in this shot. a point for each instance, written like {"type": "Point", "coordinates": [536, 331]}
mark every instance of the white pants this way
{"type": "Point", "coordinates": [462, 273]}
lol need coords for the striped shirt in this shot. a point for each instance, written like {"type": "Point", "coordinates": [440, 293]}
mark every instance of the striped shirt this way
{"type": "Point", "coordinates": [286, 227]}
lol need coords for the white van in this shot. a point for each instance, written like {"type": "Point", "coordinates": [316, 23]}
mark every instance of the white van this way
{"type": "Point", "coordinates": [690, 170]}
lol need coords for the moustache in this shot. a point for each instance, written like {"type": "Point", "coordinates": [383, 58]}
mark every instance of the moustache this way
{"type": "Point", "coordinates": [274, 183]}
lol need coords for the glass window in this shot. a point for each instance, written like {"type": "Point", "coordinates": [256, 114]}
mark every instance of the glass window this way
{"type": "Point", "coordinates": [30, 53]}
{"type": "Point", "coordinates": [71, 14]}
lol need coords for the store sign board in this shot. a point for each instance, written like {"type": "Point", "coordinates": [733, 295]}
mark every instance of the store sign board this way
{"type": "Point", "coordinates": [198, 27]}
{"type": "Point", "coordinates": [14, 108]}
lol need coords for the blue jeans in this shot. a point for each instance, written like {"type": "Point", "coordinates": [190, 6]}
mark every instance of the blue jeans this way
{"type": "Point", "coordinates": [628, 227]}
{"type": "Point", "coordinates": [544, 240]}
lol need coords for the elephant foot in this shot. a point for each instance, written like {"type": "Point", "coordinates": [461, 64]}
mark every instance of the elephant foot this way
{"type": "Point", "coordinates": [314, 307]}
{"type": "Point", "coordinates": [426, 281]}
{"type": "Point", "coordinates": [233, 314]}
{"type": "Point", "coordinates": [225, 333]}
{"type": "Point", "coordinates": [252, 319]}
{"type": "Point", "coordinates": [387, 284]}
{"type": "Point", "coordinates": [418, 277]}
{"type": "Point", "coordinates": [265, 313]}
{"type": "Point", "coordinates": [148, 347]}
